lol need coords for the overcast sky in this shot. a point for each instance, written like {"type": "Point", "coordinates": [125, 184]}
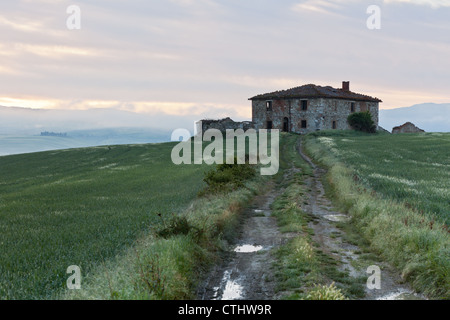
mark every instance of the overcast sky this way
{"type": "Point", "coordinates": [208, 57]}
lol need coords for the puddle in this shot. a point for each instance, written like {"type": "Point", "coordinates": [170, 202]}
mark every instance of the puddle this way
{"type": "Point", "coordinates": [337, 217]}
{"type": "Point", "coordinates": [245, 273]}
{"type": "Point", "coordinates": [232, 289]}
{"type": "Point", "coordinates": [260, 212]}
{"type": "Point", "coordinates": [247, 248]}
{"type": "Point", "coordinates": [401, 294]}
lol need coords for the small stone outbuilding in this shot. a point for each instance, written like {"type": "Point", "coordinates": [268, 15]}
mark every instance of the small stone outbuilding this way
{"type": "Point", "coordinates": [222, 124]}
{"type": "Point", "coordinates": [407, 127]}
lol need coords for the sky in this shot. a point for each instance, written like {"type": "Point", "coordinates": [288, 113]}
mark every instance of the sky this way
{"type": "Point", "coordinates": [207, 57]}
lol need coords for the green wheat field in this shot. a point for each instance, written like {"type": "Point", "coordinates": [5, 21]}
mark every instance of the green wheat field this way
{"type": "Point", "coordinates": [413, 168]}
{"type": "Point", "coordinates": [87, 206]}
{"type": "Point", "coordinates": [82, 207]}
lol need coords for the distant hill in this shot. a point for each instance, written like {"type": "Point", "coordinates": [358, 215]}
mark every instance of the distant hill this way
{"type": "Point", "coordinates": [16, 120]}
{"type": "Point", "coordinates": [17, 144]}
{"type": "Point", "coordinates": [430, 117]}
{"type": "Point", "coordinates": [21, 129]}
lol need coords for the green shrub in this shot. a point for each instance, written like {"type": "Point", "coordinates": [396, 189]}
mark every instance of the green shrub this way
{"type": "Point", "coordinates": [227, 177]}
{"type": "Point", "coordinates": [177, 225]}
{"type": "Point", "coordinates": [362, 121]}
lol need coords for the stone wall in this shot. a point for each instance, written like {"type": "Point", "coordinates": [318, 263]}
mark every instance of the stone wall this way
{"type": "Point", "coordinates": [407, 127]}
{"type": "Point", "coordinates": [320, 114]}
{"type": "Point", "coordinates": [222, 125]}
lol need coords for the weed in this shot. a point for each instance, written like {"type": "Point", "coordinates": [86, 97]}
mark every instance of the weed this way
{"type": "Point", "coordinates": [324, 292]}
{"type": "Point", "coordinates": [150, 274]}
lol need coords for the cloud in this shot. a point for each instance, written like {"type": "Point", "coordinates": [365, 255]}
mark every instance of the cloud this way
{"type": "Point", "coordinates": [56, 51]}
{"type": "Point", "coordinates": [24, 25]}
{"type": "Point", "coordinates": [319, 6]}
{"type": "Point", "coordinates": [171, 108]}
{"type": "Point", "coordinates": [431, 3]}
{"type": "Point", "coordinates": [328, 6]}
{"type": "Point", "coordinates": [28, 102]}
{"type": "Point", "coordinates": [207, 57]}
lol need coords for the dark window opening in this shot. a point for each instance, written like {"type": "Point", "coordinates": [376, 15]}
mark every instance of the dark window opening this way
{"type": "Point", "coordinates": [304, 105]}
{"type": "Point", "coordinates": [303, 123]}
{"type": "Point", "coordinates": [269, 124]}
{"type": "Point", "coordinates": [286, 124]}
{"type": "Point", "coordinates": [268, 105]}
{"type": "Point", "coordinates": [334, 124]}
{"type": "Point", "coordinates": [352, 107]}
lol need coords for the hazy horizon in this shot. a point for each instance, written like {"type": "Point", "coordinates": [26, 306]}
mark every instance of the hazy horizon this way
{"type": "Point", "coordinates": [430, 116]}
{"type": "Point", "coordinates": [20, 128]}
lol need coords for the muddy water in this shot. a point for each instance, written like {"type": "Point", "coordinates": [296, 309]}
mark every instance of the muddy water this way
{"type": "Point", "coordinates": [330, 239]}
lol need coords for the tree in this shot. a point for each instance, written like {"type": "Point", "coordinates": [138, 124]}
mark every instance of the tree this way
{"type": "Point", "coordinates": [362, 121]}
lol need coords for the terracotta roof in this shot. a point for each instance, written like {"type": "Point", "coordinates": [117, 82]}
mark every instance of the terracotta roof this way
{"type": "Point", "coordinates": [314, 91]}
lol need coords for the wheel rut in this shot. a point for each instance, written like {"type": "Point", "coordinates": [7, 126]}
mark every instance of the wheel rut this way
{"type": "Point", "coordinates": [245, 274]}
{"type": "Point", "coordinates": [331, 241]}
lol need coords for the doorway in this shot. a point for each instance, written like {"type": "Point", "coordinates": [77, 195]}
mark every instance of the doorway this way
{"type": "Point", "coordinates": [286, 124]}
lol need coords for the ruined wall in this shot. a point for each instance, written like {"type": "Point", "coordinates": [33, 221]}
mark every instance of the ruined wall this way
{"type": "Point", "coordinates": [222, 125]}
{"type": "Point", "coordinates": [320, 114]}
{"type": "Point", "coordinates": [407, 127]}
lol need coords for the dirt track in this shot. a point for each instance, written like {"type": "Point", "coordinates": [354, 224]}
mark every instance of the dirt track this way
{"type": "Point", "coordinates": [331, 240]}
{"type": "Point", "coordinates": [246, 274]}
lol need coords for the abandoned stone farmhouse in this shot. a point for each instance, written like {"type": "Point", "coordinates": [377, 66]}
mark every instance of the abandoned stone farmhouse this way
{"type": "Point", "coordinates": [310, 108]}
{"type": "Point", "coordinates": [301, 110]}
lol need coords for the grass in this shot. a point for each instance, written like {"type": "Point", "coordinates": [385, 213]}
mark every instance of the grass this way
{"type": "Point", "coordinates": [169, 267]}
{"type": "Point", "coordinates": [410, 168]}
{"type": "Point", "coordinates": [302, 270]}
{"type": "Point", "coordinates": [80, 207]}
{"type": "Point", "coordinates": [135, 225]}
{"type": "Point", "coordinates": [126, 215]}
{"type": "Point", "coordinates": [396, 189]}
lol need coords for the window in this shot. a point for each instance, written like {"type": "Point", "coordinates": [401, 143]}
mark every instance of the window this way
{"type": "Point", "coordinates": [303, 123]}
{"type": "Point", "coordinates": [304, 105]}
{"type": "Point", "coordinates": [334, 124]}
{"type": "Point", "coordinates": [352, 107]}
{"type": "Point", "coordinates": [269, 124]}
{"type": "Point", "coordinates": [268, 105]}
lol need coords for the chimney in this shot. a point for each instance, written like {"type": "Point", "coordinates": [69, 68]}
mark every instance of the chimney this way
{"type": "Point", "coordinates": [346, 85]}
